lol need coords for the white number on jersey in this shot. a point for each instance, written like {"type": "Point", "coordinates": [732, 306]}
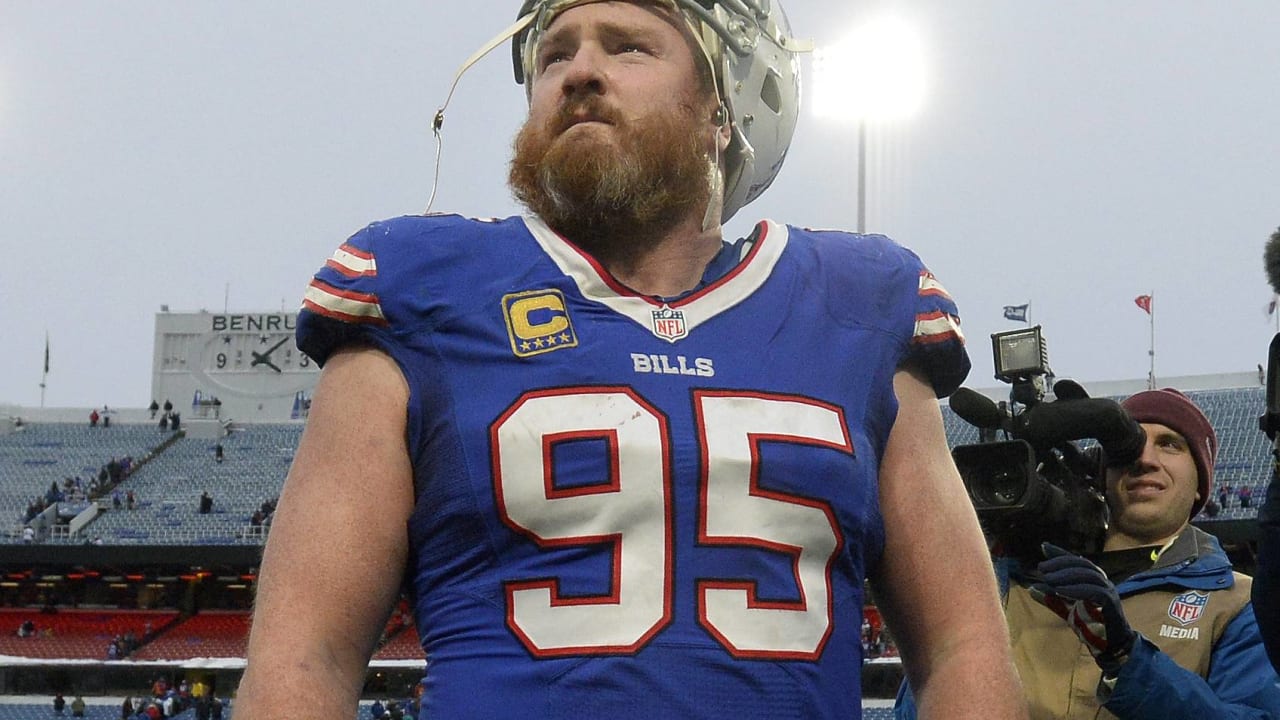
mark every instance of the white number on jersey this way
{"type": "Point", "coordinates": [631, 509]}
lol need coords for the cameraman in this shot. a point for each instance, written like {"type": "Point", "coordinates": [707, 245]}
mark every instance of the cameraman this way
{"type": "Point", "coordinates": [1160, 627]}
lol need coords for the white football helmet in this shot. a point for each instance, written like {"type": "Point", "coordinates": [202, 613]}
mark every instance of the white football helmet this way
{"type": "Point", "coordinates": [757, 73]}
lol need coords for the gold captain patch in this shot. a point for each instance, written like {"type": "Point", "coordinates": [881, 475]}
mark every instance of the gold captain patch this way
{"type": "Point", "coordinates": [538, 322]}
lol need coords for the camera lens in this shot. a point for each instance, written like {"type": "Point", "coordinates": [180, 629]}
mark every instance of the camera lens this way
{"type": "Point", "coordinates": [1003, 488]}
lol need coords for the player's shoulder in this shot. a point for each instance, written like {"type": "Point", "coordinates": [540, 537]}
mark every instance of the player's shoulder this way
{"type": "Point", "coordinates": [420, 244]}
{"type": "Point", "coordinates": [418, 233]}
{"type": "Point", "coordinates": [862, 260]}
{"type": "Point", "coordinates": [834, 244]}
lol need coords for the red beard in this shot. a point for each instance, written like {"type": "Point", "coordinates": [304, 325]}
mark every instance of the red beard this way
{"type": "Point", "coordinates": [600, 186]}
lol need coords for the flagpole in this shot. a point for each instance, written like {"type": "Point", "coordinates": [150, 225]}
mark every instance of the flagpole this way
{"type": "Point", "coordinates": [44, 376]}
{"type": "Point", "coordinates": [1151, 349]}
{"type": "Point", "coordinates": [1026, 317]}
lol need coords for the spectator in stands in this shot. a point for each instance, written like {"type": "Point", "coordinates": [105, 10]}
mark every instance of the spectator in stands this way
{"type": "Point", "coordinates": [206, 503]}
{"type": "Point", "coordinates": [218, 453]}
{"type": "Point", "coordinates": [1168, 626]}
{"type": "Point", "coordinates": [129, 500]}
{"type": "Point", "coordinates": [164, 422]}
{"type": "Point", "coordinates": [1212, 509]}
{"type": "Point", "coordinates": [106, 419]}
{"type": "Point", "coordinates": [117, 500]}
{"type": "Point", "coordinates": [154, 407]}
{"type": "Point", "coordinates": [77, 707]}
{"type": "Point", "coordinates": [59, 703]}
{"type": "Point", "coordinates": [27, 628]}
{"type": "Point", "coordinates": [377, 710]}
{"type": "Point", "coordinates": [93, 418]}
{"type": "Point", "coordinates": [28, 534]}
{"type": "Point", "coordinates": [126, 709]}
{"type": "Point", "coordinates": [174, 421]}
{"type": "Point", "coordinates": [1245, 493]}
{"type": "Point", "coordinates": [168, 406]}
{"type": "Point", "coordinates": [215, 711]}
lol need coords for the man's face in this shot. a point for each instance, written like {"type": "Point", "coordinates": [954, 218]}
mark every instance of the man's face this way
{"type": "Point", "coordinates": [1151, 500]}
{"type": "Point", "coordinates": [619, 132]}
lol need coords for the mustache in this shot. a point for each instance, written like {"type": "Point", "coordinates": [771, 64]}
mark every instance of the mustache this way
{"type": "Point", "coordinates": [575, 111]}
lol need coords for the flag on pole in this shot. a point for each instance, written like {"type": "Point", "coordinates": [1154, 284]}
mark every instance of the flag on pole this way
{"type": "Point", "coordinates": [46, 353]}
{"type": "Point", "coordinates": [1144, 302]}
{"type": "Point", "coordinates": [1016, 312]}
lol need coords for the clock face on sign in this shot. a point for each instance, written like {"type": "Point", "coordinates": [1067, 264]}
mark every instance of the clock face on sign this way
{"type": "Point", "coordinates": [253, 363]}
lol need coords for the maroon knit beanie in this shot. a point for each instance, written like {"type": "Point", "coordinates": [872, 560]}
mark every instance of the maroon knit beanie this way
{"type": "Point", "coordinates": [1171, 408]}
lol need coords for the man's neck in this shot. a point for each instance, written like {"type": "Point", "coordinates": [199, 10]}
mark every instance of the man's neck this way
{"type": "Point", "coordinates": [1118, 540]}
{"type": "Point", "coordinates": [663, 266]}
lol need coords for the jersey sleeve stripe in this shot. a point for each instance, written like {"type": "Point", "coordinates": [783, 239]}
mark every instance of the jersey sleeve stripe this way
{"type": "Point", "coordinates": [929, 285]}
{"type": "Point", "coordinates": [354, 307]}
{"type": "Point", "coordinates": [353, 262]}
{"type": "Point", "coordinates": [937, 327]}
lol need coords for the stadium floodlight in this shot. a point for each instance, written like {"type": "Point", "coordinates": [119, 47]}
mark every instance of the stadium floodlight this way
{"type": "Point", "coordinates": [876, 74]}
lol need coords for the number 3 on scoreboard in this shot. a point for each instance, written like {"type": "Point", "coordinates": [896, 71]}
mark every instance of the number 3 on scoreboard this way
{"type": "Point", "coordinates": [631, 510]}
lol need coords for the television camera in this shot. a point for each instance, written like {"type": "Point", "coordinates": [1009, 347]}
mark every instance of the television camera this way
{"type": "Point", "coordinates": [1040, 483]}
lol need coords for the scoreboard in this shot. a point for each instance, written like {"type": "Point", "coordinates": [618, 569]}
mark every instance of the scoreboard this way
{"type": "Point", "coordinates": [242, 366]}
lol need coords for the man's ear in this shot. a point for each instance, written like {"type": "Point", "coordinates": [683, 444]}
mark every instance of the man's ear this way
{"type": "Point", "coordinates": [721, 120]}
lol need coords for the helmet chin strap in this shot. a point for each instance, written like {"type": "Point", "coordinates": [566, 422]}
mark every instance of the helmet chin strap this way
{"type": "Point", "coordinates": [715, 180]}
{"type": "Point", "coordinates": [438, 122]}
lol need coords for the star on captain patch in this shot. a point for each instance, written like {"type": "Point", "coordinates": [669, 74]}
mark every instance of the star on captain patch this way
{"type": "Point", "coordinates": [538, 322]}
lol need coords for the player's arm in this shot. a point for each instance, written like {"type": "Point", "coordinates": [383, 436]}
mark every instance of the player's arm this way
{"type": "Point", "coordinates": [333, 563]}
{"type": "Point", "coordinates": [935, 584]}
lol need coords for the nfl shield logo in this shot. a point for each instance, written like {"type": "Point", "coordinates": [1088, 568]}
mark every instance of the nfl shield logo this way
{"type": "Point", "coordinates": [669, 324]}
{"type": "Point", "coordinates": [1187, 607]}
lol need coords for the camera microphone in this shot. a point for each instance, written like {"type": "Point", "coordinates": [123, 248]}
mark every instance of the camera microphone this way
{"type": "Point", "coordinates": [1269, 422]}
{"type": "Point", "coordinates": [1271, 261]}
{"type": "Point", "coordinates": [1121, 437]}
{"type": "Point", "coordinates": [976, 409]}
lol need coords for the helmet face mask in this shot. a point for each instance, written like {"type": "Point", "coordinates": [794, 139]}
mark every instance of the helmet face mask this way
{"type": "Point", "coordinates": [754, 62]}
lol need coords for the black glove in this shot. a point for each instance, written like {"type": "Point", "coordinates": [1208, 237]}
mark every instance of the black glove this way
{"type": "Point", "coordinates": [1080, 593]}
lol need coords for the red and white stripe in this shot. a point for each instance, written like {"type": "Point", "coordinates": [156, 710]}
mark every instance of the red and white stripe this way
{"type": "Point", "coordinates": [353, 262]}
{"type": "Point", "coordinates": [937, 327]}
{"type": "Point", "coordinates": [929, 285]}
{"type": "Point", "coordinates": [345, 305]}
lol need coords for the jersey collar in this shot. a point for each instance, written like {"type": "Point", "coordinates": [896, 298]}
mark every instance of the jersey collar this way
{"type": "Point", "coordinates": [671, 320]}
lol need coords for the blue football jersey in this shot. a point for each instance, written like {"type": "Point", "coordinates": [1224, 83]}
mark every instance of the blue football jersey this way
{"type": "Point", "coordinates": [635, 508]}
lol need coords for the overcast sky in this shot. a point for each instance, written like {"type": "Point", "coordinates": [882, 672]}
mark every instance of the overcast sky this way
{"type": "Point", "coordinates": [210, 154]}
